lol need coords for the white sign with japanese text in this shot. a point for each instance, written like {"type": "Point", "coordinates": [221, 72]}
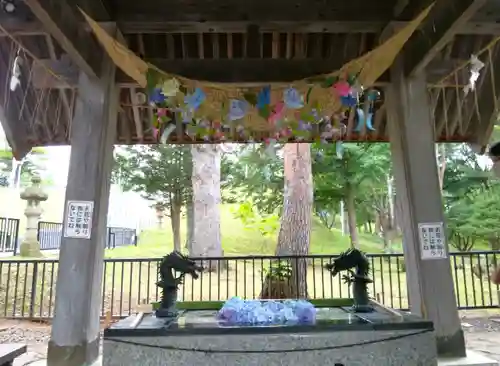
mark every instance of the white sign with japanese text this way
{"type": "Point", "coordinates": [78, 223]}
{"type": "Point", "coordinates": [432, 240]}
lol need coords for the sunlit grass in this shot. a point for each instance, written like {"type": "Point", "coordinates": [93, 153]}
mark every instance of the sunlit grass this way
{"type": "Point", "coordinates": [240, 240]}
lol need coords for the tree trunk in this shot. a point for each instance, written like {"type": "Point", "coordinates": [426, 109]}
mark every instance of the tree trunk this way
{"type": "Point", "coordinates": [175, 222]}
{"type": "Point", "coordinates": [295, 230]}
{"type": "Point", "coordinates": [206, 201]}
{"type": "Point", "coordinates": [441, 160]}
{"type": "Point", "coordinates": [190, 226]}
{"type": "Point", "coordinates": [351, 218]}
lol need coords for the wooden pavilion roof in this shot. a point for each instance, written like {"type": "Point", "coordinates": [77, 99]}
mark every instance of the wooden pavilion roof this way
{"type": "Point", "coordinates": [241, 41]}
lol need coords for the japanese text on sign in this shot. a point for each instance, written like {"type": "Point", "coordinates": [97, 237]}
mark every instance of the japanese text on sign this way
{"type": "Point", "coordinates": [432, 241]}
{"type": "Point", "coordinates": [78, 223]}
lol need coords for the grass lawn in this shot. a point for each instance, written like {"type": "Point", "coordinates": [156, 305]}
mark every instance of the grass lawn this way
{"type": "Point", "coordinates": [237, 240]}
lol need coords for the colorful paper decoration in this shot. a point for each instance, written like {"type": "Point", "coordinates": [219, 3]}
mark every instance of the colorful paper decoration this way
{"type": "Point", "coordinates": [166, 133]}
{"type": "Point", "coordinates": [156, 96]}
{"type": "Point", "coordinates": [342, 88]}
{"type": "Point", "coordinates": [187, 115]}
{"type": "Point", "coordinates": [237, 109]}
{"type": "Point", "coordinates": [193, 101]}
{"type": "Point", "coordinates": [293, 99]}
{"type": "Point", "coordinates": [264, 97]}
{"type": "Point", "coordinates": [364, 120]}
{"type": "Point", "coordinates": [373, 95]}
{"type": "Point", "coordinates": [170, 88]}
{"type": "Point", "coordinates": [349, 101]}
{"type": "Point", "coordinates": [289, 118]}
{"type": "Point", "coordinates": [277, 113]}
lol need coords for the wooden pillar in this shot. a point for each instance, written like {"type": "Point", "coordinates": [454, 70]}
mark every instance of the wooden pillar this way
{"type": "Point", "coordinates": [430, 281]}
{"type": "Point", "coordinates": [75, 328]}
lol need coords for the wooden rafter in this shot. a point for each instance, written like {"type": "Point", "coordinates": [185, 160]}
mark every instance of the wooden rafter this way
{"type": "Point", "coordinates": [443, 22]}
{"type": "Point", "coordinates": [62, 22]}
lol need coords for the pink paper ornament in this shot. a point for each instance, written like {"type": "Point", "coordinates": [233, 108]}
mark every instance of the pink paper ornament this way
{"type": "Point", "coordinates": [162, 112]}
{"type": "Point", "coordinates": [342, 88]}
{"type": "Point", "coordinates": [277, 113]}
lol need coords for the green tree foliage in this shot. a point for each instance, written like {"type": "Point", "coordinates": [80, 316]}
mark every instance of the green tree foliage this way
{"type": "Point", "coordinates": [161, 174]}
{"type": "Point", "coordinates": [34, 163]}
{"type": "Point", "coordinates": [251, 173]}
{"type": "Point", "coordinates": [359, 175]}
{"type": "Point", "coordinates": [470, 197]}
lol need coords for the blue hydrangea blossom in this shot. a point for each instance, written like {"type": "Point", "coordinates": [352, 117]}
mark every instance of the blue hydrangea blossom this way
{"type": "Point", "coordinates": [237, 311]}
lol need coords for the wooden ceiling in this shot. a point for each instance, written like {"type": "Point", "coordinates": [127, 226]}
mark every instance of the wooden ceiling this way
{"type": "Point", "coordinates": [232, 41]}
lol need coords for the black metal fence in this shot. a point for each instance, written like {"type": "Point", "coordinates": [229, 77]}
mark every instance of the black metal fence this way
{"type": "Point", "coordinates": [9, 234]}
{"type": "Point", "coordinates": [27, 287]}
{"type": "Point", "coordinates": [49, 236]}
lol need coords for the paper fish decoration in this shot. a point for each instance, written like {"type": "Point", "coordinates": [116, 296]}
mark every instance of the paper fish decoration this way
{"type": "Point", "coordinates": [342, 88]}
{"type": "Point", "coordinates": [348, 101]}
{"type": "Point", "coordinates": [193, 101]}
{"type": "Point", "coordinates": [339, 149]}
{"type": "Point", "coordinates": [156, 96]}
{"type": "Point", "coordinates": [170, 88]}
{"type": "Point", "coordinates": [166, 133]}
{"type": "Point", "coordinates": [293, 99]}
{"type": "Point", "coordinates": [237, 109]}
{"type": "Point", "coordinates": [264, 97]}
{"type": "Point", "coordinates": [277, 113]}
{"type": "Point", "coordinates": [362, 121]}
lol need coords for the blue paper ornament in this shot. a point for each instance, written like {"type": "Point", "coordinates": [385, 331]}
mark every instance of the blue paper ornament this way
{"type": "Point", "coordinates": [166, 133]}
{"type": "Point", "coordinates": [373, 95]}
{"type": "Point", "coordinates": [364, 121]}
{"type": "Point", "coordinates": [156, 96]}
{"type": "Point", "coordinates": [237, 109]}
{"type": "Point", "coordinates": [187, 115]}
{"type": "Point", "coordinates": [304, 126]}
{"type": "Point", "coordinates": [293, 99]}
{"type": "Point", "coordinates": [264, 97]}
{"type": "Point", "coordinates": [349, 101]}
{"type": "Point", "coordinates": [193, 101]}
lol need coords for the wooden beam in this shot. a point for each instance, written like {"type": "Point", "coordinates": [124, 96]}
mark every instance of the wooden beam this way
{"type": "Point", "coordinates": [152, 27]}
{"type": "Point", "coordinates": [33, 28]}
{"type": "Point", "coordinates": [62, 93]}
{"type": "Point", "coordinates": [445, 19]}
{"type": "Point", "coordinates": [137, 115]}
{"type": "Point", "coordinates": [248, 70]}
{"type": "Point", "coordinates": [62, 22]}
{"type": "Point", "coordinates": [228, 70]}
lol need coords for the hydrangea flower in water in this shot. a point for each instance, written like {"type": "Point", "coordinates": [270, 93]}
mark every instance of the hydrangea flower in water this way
{"type": "Point", "coordinates": [237, 311]}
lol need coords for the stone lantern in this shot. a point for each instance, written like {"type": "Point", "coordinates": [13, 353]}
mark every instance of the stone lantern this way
{"type": "Point", "coordinates": [30, 247]}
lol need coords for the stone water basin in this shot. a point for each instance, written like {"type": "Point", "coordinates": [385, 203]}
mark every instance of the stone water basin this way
{"type": "Point", "coordinates": [337, 338]}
